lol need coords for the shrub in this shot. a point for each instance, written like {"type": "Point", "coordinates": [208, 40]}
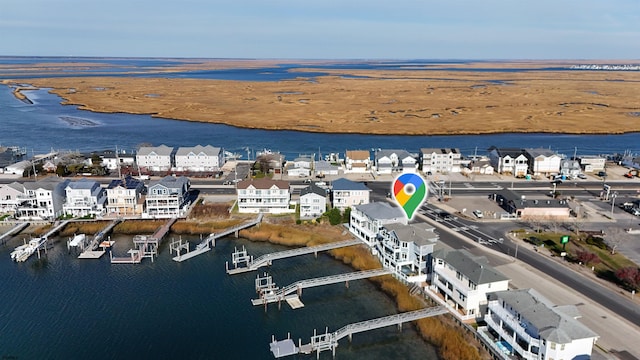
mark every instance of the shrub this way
{"type": "Point", "coordinates": [629, 276]}
{"type": "Point", "coordinates": [587, 257]}
{"type": "Point", "coordinates": [597, 242]}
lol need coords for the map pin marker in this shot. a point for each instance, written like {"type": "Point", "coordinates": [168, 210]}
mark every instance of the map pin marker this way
{"type": "Point", "coordinates": [409, 191]}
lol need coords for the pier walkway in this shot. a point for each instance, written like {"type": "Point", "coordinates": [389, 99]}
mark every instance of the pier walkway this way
{"type": "Point", "coordinates": [56, 228]}
{"type": "Point", "coordinates": [146, 246]}
{"type": "Point", "coordinates": [269, 293]}
{"type": "Point", "coordinates": [210, 241]}
{"type": "Point", "coordinates": [89, 251]}
{"type": "Point", "coordinates": [14, 230]}
{"type": "Point", "coordinates": [329, 341]}
{"type": "Point", "coordinates": [244, 263]}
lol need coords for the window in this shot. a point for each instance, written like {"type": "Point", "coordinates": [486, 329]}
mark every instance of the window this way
{"type": "Point", "coordinates": [553, 346]}
{"type": "Point", "coordinates": [458, 275]}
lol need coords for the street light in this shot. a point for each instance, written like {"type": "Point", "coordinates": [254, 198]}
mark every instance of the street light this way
{"type": "Point", "coordinates": [613, 201]}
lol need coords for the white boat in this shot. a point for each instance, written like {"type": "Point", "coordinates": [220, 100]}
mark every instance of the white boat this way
{"type": "Point", "coordinates": [17, 251]}
{"type": "Point", "coordinates": [30, 248]}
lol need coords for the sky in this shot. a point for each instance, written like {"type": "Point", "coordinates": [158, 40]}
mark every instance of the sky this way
{"type": "Point", "coordinates": [323, 29]}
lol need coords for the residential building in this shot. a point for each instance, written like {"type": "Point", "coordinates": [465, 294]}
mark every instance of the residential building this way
{"type": "Point", "coordinates": [407, 249]}
{"type": "Point", "coordinates": [346, 193]}
{"type": "Point", "coordinates": [543, 162]}
{"type": "Point", "coordinates": [125, 196]}
{"type": "Point", "coordinates": [463, 281]}
{"type": "Point", "coordinates": [592, 163]}
{"type": "Point", "coordinates": [18, 168]}
{"type": "Point", "coordinates": [112, 160]}
{"type": "Point", "coordinates": [313, 202]}
{"type": "Point", "coordinates": [527, 208]}
{"type": "Point", "coordinates": [11, 196]}
{"type": "Point", "coordinates": [264, 195]}
{"type": "Point", "coordinates": [366, 221]}
{"type": "Point", "coordinates": [390, 161]}
{"type": "Point", "coordinates": [440, 160]}
{"type": "Point", "coordinates": [46, 198]}
{"type": "Point", "coordinates": [299, 167]}
{"type": "Point", "coordinates": [167, 197]}
{"type": "Point", "coordinates": [323, 168]}
{"type": "Point", "coordinates": [154, 158]}
{"type": "Point", "coordinates": [481, 166]}
{"type": "Point", "coordinates": [535, 328]}
{"type": "Point", "coordinates": [84, 197]}
{"type": "Point", "coordinates": [570, 169]}
{"type": "Point", "coordinates": [357, 161]}
{"type": "Point", "coordinates": [509, 161]}
{"type": "Point", "coordinates": [199, 158]}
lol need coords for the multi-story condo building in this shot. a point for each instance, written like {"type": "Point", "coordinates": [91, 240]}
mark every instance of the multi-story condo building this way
{"type": "Point", "coordinates": [366, 221]}
{"type": "Point", "coordinates": [84, 197]}
{"type": "Point", "coordinates": [167, 197]}
{"type": "Point", "coordinates": [440, 160]}
{"type": "Point", "coordinates": [125, 196]}
{"type": "Point", "coordinates": [463, 281]}
{"type": "Point", "coordinates": [155, 158]}
{"type": "Point", "coordinates": [407, 249]}
{"type": "Point", "coordinates": [264, 195]}
{"type": "Point", "coordinates": [543, 162]}
{"type": "Point", "coordinates": [45, 199]}
{"type": "Point", "coordinates": [199, 158]}
{"type": "Point", "coordinates": [535, 329]}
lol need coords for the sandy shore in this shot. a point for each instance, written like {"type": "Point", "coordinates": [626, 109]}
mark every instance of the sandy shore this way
{"type": "Point", "coordinates": [411, 102]}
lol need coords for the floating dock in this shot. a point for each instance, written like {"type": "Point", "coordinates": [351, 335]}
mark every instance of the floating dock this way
{"type": "Point", "coordinates": [210, 241]}
{"type": "Point", "coordinates": [242, 262]}
{"type": "Point", "coordinates": [329, 341]}
{"type": "Point", "coordinates": [270, 293]}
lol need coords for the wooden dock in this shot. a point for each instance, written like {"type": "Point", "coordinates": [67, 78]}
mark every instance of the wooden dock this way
{"type": "Point", "coordinates": [210, 241]}
{"type": "Point", "coordinates": [13, 231]}
{"type": "Point", "coordinates": [145, 246]}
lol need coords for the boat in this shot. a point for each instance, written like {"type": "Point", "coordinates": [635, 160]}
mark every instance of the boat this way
{"type": "Point", "coordinates": [25, 252]}
{"type": "Point", "coordinates": [17, 251]}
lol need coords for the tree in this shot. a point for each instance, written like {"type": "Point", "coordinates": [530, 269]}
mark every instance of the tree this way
{"type": "Point", "coordinates": [346, 215]}
{"type": "Point", "coordinates": [587, 257]}
{"type": "Point", "coordinates": [96, 160]}
{"type": "Point", "coordinates": [629, 276]}
{"type": "Point", "coordinates": [334, 215]}
{"type": "Point", "coordinates": [61, 170]}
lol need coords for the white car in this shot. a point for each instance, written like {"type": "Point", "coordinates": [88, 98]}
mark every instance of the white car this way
{"type": "Point", "coordinates": [478, 214]}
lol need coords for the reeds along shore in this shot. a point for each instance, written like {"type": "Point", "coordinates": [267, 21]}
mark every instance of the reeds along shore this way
{"type": "Point", "coordinates": [452, 342]}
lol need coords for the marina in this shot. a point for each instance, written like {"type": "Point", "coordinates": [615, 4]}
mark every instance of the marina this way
{"type": "Point", "coordinates": [242, 262]}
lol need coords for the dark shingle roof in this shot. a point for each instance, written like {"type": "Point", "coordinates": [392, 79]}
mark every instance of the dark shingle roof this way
{"type": "Point", "coordinates": [473, 267]}
{"type": "Point", "coordinates": [346, 184]}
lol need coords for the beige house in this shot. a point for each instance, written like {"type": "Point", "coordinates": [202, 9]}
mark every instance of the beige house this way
{"type": "Point", "coordinates": [264, 195]}
{"type": "Point", "coordinates": [357, 161]}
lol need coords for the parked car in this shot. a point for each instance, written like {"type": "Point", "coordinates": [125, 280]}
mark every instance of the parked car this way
{"type": "Point", "coordinates": [478, 214]}
{"type": "Point", "coordinates": [602, 174]}
{"type": "Point", "coordinates": [582, 176]}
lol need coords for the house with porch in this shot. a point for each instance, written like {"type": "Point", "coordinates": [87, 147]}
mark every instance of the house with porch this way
{"type": "Point", "coordinates": [442, 160]}
{"type": "Point", "coordinates": [357, 161]}
{"type": "Point", "coordinates": [347, 194]}
{"type": "Point", "coordinates": [570, 169]}
{"type": "Point", "coordinates": [46, 199]}
{"type": "Point", "coordinates": [462, 281]}
{"type": "Point", "coordinates": [299, 167]}
{"type": "Point", "coordinates": [393, 161]}
{"type": "Point", "coordinates": [125, 196]}
{"type": "Point", "coordinates": [264, 195]}
{"type": "Point", "coordinates": [480, 166]}
{"type": "Point", "coordinates": [535, 328]}
{"type": "Point", "coordinates": [509, 161]}
{"type": "Point", "coordinates": [11, 197]}
{"type": "Point", "coordinates": [154, 158]}
{"type": "Point", "coordinates": [199, 158]}
{"type": "Point", "coordinates": [313, 202]}
{"type": "Point", "coordinates": [407, 249]}
{"type": "Point", "coordinates": [366, 221]}
{"type": "Point", "coordinates": [167, 197]}
{"type": "Point", "coordinates": [543, 162]}
{"type": "Point", "coordinates": [84, 197]}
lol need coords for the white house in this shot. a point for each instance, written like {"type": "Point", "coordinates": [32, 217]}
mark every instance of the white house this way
{"type": "Point", "coordinates": [45, 199]}
{"type": "Point", "coordinates": [199, 158]}
{"type": "Point", "coordinates": [167, 197]}
{"type": "Point", "coordinates": [112, 160]}
{"type": "Point", "coordinates": [407, 249]}
{"type": "Point", "coordinates": [535, 328]}
{"type": "Point", "coordinates": [481, 166]}
{"type": "Point", "coordinates": [440, 160]}
{"type": "Point", "coordinates": [299, 167]}
{"type": "Point", "coordinates": [592, 163]}
{"type": "Point", "coordinates": [463, 280]}
{"type": "Point", "coordinates": [155, 158]}
{"type": "Point", "coordinates": [543, 161]}
{"type": "Point", "coordinates": [323, 168]}
{"type": "Point", "coordinates": [18, 168]}
{"type": "Point", "coordinates": [390, 161]}
{"type": "Point", "coordinates": [264, 195]}
{"type": "Point", "coordinates": [125, 196]}
{"type": "Point", "coordinates": [509, 161]}
{"type": "Point", "coordinates": [313, 202]}
{"type": "Point", "coordinates": [346, 193]}
{"type": "Point", "coordinates": [357, 161]}
{"type": "Point", "coordinates": [11, 196]}
{"type": "Point", "coordinates": [366, 221]}
{"type": "Point", "coordinates": [570, 168]}
{"type": "Point", "coordinates": [84, 197]}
